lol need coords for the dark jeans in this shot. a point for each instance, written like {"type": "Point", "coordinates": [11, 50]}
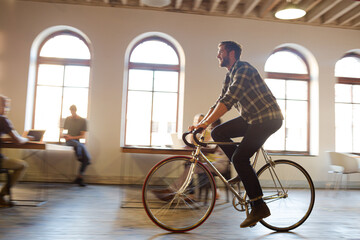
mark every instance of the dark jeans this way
{"type": "Point", "coordinates": [82, 154]}
{"type": "Point", "coordinates": [254, 136]}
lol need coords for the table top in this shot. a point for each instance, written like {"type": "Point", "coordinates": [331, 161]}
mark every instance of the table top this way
{"type": "Point", "coordinates": [27, 145]}
{"type": "Point", "coordinates": [163, 150]}
{"type": "Point", "coordinates": [158, 150]}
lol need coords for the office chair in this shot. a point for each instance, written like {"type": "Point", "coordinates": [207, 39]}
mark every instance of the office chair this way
{"type": "Point", "coordinates": [342, 164]}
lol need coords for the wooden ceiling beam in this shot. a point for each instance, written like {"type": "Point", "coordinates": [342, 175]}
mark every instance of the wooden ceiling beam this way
{"type": "Point", "coordinates": [267, 6]}
{"type": "Point", "coordinates": [348, 17]}
{"type": "Point", "coordinates": [321, 9]}
{"type": "Point", "coordinates": [178, 4]}
{"type": "Point", "coordinates": [196, 5]}
{"type": "Point", "coordinates": [308, 5]}
{"type": "Point", "coordinates": [356, 22]}
{"type": "Point", "coordinates": [231, 5]}
{"type": "Point", "coordinates": [250, 6]}
{"type": "Point", "coordinates": [339, 10]}
{"type": "Point", "coordinates": [213, 5]}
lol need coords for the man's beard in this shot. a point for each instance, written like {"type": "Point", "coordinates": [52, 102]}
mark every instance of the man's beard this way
{"type": "Point", "coordinates": [225, 62]}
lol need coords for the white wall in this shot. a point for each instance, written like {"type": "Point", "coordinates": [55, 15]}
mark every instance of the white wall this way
{"type": "Point", "coordinates": [110, 31]}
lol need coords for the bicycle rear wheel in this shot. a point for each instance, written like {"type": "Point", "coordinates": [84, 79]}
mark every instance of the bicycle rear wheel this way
{"type": "Point", "coordinates": [176, 199]}
{"type": "Point", "coordinates": [289, 193]}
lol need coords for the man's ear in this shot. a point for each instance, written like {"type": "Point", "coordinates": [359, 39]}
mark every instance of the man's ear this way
{"type": "Point", "coordinates": [232, 54]}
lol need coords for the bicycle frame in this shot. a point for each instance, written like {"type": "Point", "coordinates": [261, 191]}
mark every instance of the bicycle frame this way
{"type": "Point", "coordinates": [198, 155]}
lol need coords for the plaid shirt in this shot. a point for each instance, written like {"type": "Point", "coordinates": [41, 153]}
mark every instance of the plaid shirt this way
{"type": "Point", "coordinates": [244, 89]}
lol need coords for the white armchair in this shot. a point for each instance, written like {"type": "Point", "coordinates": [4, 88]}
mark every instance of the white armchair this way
{"type": "Point", "coordinates": [343, 164]}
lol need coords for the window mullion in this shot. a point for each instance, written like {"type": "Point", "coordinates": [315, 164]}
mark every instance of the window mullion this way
{"type": "Point", "coordinates": [352, 118]}
{"type": "Point", "coordinates": [285, 120]}
{"type": "Point", "coordinates": [152, 107]}
{"type": "Point", "coordinates": [62, 100]}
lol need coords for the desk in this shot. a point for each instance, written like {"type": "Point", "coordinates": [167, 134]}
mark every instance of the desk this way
{"type": "Point", "coordinates": [132, 200]}
{"type": "Point", "coordinates": [149, 150]}
{"type": "Point", "coordinates": [164, 150]}
{"type": "Point", "coordinates": [158, 150]}
{"type": "Point", "coordinates": [180, 151]}
{"type": "Point", "coordinates": [129, 200]}
{"type": "Point", "coordinates": [29, 146]}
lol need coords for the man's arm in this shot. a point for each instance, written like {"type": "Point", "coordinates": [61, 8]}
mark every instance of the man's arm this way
{"type": "Point", "coordinates": [217, 113]}
{"type": "Point", "coordinates": [211, 110]}
{"type": "Point", "coordinates": [82, 135]}
{"type": "Point", "coordinates": [69, 137]}
{"type": "Point", "coordinates": [213, 115]}
{"type": "Point", "coordinates": [16, 138]}
{"type": "Point", "coordinates": [8, 129]}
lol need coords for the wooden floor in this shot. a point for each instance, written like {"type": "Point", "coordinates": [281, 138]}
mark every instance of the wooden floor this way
{"type": "Point", "coordinates": [113, 212]}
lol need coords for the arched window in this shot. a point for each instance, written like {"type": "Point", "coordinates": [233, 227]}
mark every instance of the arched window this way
{"type": "Point", "coordinates": [347, 103]}
{"type": "Point", "coordinates": [288, 78]}
{"type": "Point", "coordinates": [152, 104]}
{"type": "Point", "coordinates": [62, 79]}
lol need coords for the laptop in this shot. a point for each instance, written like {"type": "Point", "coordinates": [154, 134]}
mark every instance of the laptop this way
{"type": "Point", "coordinates": [36, 134]}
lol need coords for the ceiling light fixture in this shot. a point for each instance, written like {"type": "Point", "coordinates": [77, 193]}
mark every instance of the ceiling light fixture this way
{"type": "Point", "coordinates": [290, 11]}
{"type": "Point", "coordinates": [156, 3]}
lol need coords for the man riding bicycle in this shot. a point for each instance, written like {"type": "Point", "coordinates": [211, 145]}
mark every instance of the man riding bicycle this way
{"type": "Point", "coordinates": [260, 117]}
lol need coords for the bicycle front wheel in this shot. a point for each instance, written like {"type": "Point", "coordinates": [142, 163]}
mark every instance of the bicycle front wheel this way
{"type": "Point", "coordinates": [289, 193]}
{"type": "Point", "coordinates": [179, 195]}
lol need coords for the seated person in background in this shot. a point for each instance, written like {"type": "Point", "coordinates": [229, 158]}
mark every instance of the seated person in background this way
{"type": "Point", "coordinates": [217, 158]}
{"type": "Point", "coordinates": [17, 166]}
{"type": "Point", "coordinates": [77, 128]}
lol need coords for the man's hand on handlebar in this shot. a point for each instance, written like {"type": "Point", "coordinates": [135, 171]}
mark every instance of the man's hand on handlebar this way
{"type": "Point", "coordinates": [194, 139]}
{"type": "Point", "coordinates": [202, 125]}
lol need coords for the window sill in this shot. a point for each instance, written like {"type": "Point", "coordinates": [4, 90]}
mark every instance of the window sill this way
{"type": "Point", "coordinates": [295, 154]}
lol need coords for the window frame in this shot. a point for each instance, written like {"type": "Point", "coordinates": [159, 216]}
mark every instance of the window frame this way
{"type": "Point", "coordinates": [59, 61]}
{"type": "Point", "coordinates": [348, 81]}
{"type": "Point", "coordinates": [294, 77]}
{"type": "Point", "coordinates": [152, 67]}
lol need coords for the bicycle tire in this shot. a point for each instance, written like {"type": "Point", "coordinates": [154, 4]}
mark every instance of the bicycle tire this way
{"type": "Point", "coordinates": [295, 207]}
{"type": "Point", "coordinates": [175, 211]}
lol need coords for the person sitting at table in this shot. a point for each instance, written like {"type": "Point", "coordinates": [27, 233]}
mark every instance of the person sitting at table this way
{"type": "Point", "coordinates": [216, 157]}
{"type": "Point", "coordinates": [17, 166]}
{"type": "Point", "coordinates": [76, 127]}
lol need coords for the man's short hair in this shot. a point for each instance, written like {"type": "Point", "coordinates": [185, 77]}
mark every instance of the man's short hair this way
{"type": "Point", "coordinates": [232, 46]}
{"type": "Point", "coordinates": [4, 99]}
{"type": "Point", "coordinates": [73, 108]}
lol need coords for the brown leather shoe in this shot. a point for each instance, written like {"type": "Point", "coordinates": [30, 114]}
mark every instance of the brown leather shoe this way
{"type": "Point", "coordinates": [257, 213]}
{"type": "Point", "coordinates": [4, 203]}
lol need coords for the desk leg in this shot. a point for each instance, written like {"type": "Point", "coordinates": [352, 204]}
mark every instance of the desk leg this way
{"type": "Point", "coordinates": [131, 194]}
{"type": "Point", "coordinates": [42, 191]}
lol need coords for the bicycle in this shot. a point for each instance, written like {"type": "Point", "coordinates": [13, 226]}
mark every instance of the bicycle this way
{"type": "Point", "coordinates": [289, 191]}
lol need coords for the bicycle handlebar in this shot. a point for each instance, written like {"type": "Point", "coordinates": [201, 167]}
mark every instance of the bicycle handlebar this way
{"type": "Point", "coordinates": [194, 133]}
{"type": "Point", "coordinates": [200, 143]}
